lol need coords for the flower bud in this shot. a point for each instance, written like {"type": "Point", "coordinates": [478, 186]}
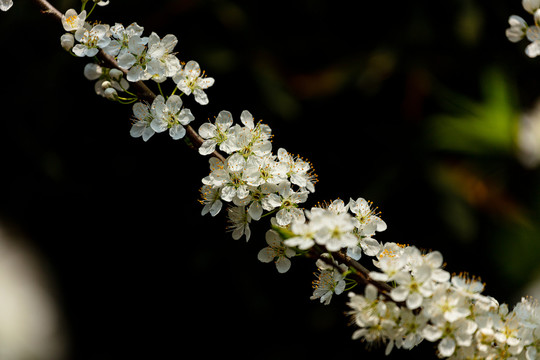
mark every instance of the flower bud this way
{"type": "Point", "coordinates": [116, 74]}
{"type": "Point", "coordinates": [110, 93]}
{"type": "Point", "coordinates": [92, 71]}
{"type": "Point", "coordinates": [106, 85]}
{"type": "Point", "coordinates": [67, 41]}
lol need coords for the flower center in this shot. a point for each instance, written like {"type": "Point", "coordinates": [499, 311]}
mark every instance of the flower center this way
{"type": "Point", "coordinates": [71, 20]}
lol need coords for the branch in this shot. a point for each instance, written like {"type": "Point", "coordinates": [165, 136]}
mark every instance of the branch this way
{"type": "Point", "coordinates": [142, 91]}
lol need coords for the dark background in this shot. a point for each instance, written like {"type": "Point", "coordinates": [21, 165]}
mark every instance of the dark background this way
{"type": "Point", "coordinates": [411, 104]}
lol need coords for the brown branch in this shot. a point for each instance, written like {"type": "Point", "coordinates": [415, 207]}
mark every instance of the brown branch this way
{"type": "Point", "coordinates": [142, 91]}
{"type": "Point", "coordinates": [360, 272]}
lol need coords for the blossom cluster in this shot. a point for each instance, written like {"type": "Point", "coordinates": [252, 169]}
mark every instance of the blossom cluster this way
{"type": "Point", "coordinates": [141, 58]}
{"type": "Point", "coordinates": [251, 179]}
{"type": "Point", "coordinates": [339, 226]}
{"type": "Point", "coordinates": [519, 28]}
{"type": "Point", "coordinates": [427, 303]}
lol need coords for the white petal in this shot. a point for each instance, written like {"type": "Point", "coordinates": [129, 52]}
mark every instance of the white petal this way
{"type": "Point", "coordinates": [354, 252]}
{"type": "Point", "coordinates": [224, 120]}
{"type": "Point", "coordinates": [399, 294]}
{"type": "Point", "coordinates": [446, 347]}
{"type": "Point", "coordinates": [169, 41]}
{"type": "Point", "coordinates": [283, 217]}
{"type": "Point", "coordinates": [414, 300]}
{"type": "Point", "coordinates": [247, 119]}
{"type": "Point", "coordinates": [431, 333]}
{"type": "Point", "coordinates": [207, 131]}
{"type": "Point", "coordinates": [255, 210]}
{"type": "Point", "coordinates": [192, 69]}
{"type": "Point", "coordinates": [185, 117]}
{"type": "Point", "coordinates": [79, 50]}
{"type": "Point", "coordinates": [140, 111]}
{"type": "Point", "coordinates": [137, 130]}
{"type": "Point", "coordinates": [377, 276]}
{"type": "Point", "coordinates": [266, 255]}
{"type": "Point", "coordinates": [283, 265]}
{"type": "Point", "coordinates": [530, 5]}
{"type": "Point", "coordinates": [174, 103]}
{"type": "Point", "coordinates": [207, 147]}
{"type": "Point", "coordinates": [177, 131]}
{"type": "Point", "coordinates": [532, 50]}
{"type": "Point", "coordinates": [517, 21]}
{"type": "Point", "coordinates": [205, 83]}
{"type": "Point", "coordinates": [216, 208]}
{"type": "Point", "coordinates": [147, 133]}
{"type": "Point", "coordinates": [126, 60]}
{"type": "Point", "coordinates": [200, 97]}
{"type": "Point", "coordinates": [158, 125]}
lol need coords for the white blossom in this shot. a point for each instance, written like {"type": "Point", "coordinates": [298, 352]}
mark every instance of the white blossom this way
{"type": "Point", "coordinates": [448, 304]}
{"type": "Point", "coordinates": [368, 221]}
{"type": "Point", "coordinates": [299, 170]}
{"type": "Point", "coordinates": [303, 237]}
{"type": "Point", "coordinates": [329, 281]}
{"type": "Point", "coordinates": [190, 80]}
{"type": "Point", "coordinates": [217, 134]}
{"type": "Point", "coordinates": [262, 170]}
{"type": "Point", "coordinates": [259, 201]}
{"type": "Point", "coordinates": [287, 200]}
{"type": "Point", "coordinates": [91, 40]}
{"type": "Point", "coordinates": [134, 59]}
{"type": "Point", "coordinates": [276, 251]}
{"type": "Point", "coordinates": [162, 62]}
{"type": "Point", "coordinates": [120, 38]}
{"type": "Point", "coordinates": [239, 220]}
{"type": "Point", "coordinates": [411, 290]}
{"type": "Point", "coordinates": [450, 334]}
{"type": "Point", "coordinates": [71, 21]}
{"type": "Point", "coordinates": [169, 114]}
{"type": "Point", "coordinates": [211, 199]}
{"type": "Point", "coordinates": [141, 123]}
{"type": "Point", "coordinates": [518, 27]}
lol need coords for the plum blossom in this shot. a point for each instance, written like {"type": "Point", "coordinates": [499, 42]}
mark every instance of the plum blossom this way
{"type": "Point", "coordinates": [299, 170]}
{"type": "Point", "coordinates": [162, 62]}
{"type": "Point", "coordinates": [91, 40]}
{"type": "Point", "coordinates": [190, 80]}
{"type": "Point", "coordinates": [287, 200]}
{"type": "Point", "coordinates": [120, 38]}
{"type": "Point", "coordinates": [211, 199]}
{"type": "Point", "coordinates": [329, 281]}
{"type": "Point", "coordinates": [169, 114]}
{"type": "Point", "coordinates": [217, 134]}
{"type": "Point", "coordinates": [134, 59]}
{"type": "Point", "coordinates": [142, 121]}
{"type": "Point", "coordinates": [368, 221]}
{"type": "Point", "coordinates": [276, 251]}
{"type": "Point", "coordinates": [450, 334]}
{"type": "Point", "coordinates": [71, 21]}
{"type": "Point", "coordinates": [239, 220]}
